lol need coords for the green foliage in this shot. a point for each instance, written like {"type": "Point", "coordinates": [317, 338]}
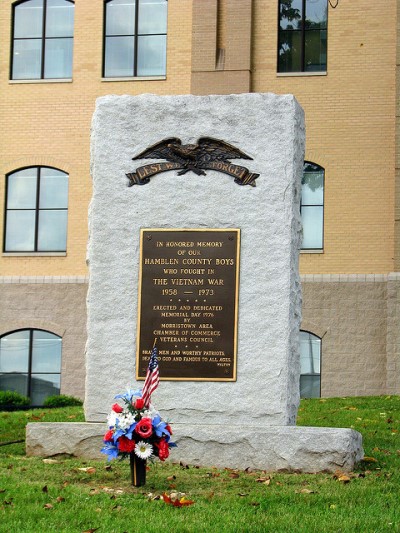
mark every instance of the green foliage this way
{"type": "Point", "coordinates": [61, 400]}
{"type": "Point", "coordinates": [68, 494]}
{"type": "Point", "coordinates": [12, 401]}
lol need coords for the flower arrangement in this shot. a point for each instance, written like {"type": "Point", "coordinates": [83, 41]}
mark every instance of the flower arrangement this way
{"type": "Point", "coordinates": [136, 429]}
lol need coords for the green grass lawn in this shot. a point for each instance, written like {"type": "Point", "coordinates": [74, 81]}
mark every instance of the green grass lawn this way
{"type": "Point", "coordinates": [40, 496]}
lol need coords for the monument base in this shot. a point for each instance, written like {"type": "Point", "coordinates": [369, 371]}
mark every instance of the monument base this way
{"type": "Point", "coordinates": [272, 448]}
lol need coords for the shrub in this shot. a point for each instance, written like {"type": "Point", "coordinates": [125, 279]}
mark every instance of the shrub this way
{"type": "Point", "coordinates": [13, 401]}
{"type": "Point", "coordinates": [61, 400]}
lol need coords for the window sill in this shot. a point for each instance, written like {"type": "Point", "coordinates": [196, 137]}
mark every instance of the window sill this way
{"type": "Point", "coordinates": [50, 80]}
{"type": "Point", "coordinates": [296, 74]}
{"type": "Point", "coordinates": [34, 254]}
{"type": "Point", "coordinates": [311, 251]}
{"type": "Point", "coordinates": [137, 78]}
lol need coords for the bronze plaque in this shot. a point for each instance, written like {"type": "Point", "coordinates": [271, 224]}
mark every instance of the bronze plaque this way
{"type": "Point", "coordinates": [188, 301]}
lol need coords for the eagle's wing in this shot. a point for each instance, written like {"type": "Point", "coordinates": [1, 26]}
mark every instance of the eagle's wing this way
{"type": "Point", "coordinates": [160, 150]}
{"type": "Point", "coordinates": [215, 150]}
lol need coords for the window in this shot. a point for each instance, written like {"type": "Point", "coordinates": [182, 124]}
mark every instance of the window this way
{"type": "Point", "coordinates": [30, 363]}
{"type": "Point", "coordinates": [312, 206]}
{"type": "Point", "coordinates": [43, 33]}
{"type": "Point", "coordinates": [310, 365]}
{"type": "Point", "coordinates": [135, 38]}
{"type": "Point", "coordinates": [302, 35]}
{"type": "Point", "coordinates": [36, 210]}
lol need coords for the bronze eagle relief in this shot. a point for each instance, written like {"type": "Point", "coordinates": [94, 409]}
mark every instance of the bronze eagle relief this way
{"type": "Point", "coordinates": [208, 153]}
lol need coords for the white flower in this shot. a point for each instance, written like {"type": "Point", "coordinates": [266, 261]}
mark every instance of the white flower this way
{"type": "Point", "coordinates": [111, 419]}
{"type": "Point", "coordinates": [125, 420]}
{"type": "Point", "coordinates": [143, 449]}
{"type": "Point", "coordinates": [150, 412]}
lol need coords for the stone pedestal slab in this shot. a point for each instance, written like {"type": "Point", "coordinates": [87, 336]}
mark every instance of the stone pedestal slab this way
{"type": "Point", "coordinates": [292, 449]}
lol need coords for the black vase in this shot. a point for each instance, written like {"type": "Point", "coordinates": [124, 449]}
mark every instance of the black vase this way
{"type": "Point", "coordinates": [138, 470]}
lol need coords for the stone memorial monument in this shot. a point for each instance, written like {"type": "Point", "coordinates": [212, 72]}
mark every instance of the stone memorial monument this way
{"type": "Point", "coordinates": [195, 233]}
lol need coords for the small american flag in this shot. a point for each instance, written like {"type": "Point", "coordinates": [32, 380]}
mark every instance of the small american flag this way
{"type": "Point", "coordinates": [152, 377]}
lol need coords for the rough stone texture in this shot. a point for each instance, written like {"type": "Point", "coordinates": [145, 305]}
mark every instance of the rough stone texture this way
{"type": "Point", "coordinates": [56, 307]}
{"type": "Point", "coordinates": [270, 129]}
{"type": "Point", "coordinates": [304, 449]}
{"type": "Point", "coordinates": [393, 334]}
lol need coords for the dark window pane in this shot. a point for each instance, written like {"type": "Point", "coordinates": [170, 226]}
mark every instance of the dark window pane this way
{"type": "Point", "coordinates": [14, 382]}
{"type": "Point", "coordinates": [289, 51]}
{"type": "Point", "coordinates": [46, 352]}
{"type": "Point", "coordinates": [58, 58]}
{"type": "Point", "coordinates": [21, 192]}
{"type": "Point", "coordinates": [152, 16]}
{"type": "Point", "coordinates": [290, 14]}
{"type": "Point", "coordinates": [28, 19]}
{"type": "Point", "coordinates": [52, 235]}
{"type": "Point", "coordinates": [316, 14]}
{"type": "Point", "coordinates": [315, 50]}
{"type": "Point", "coordinates": [20, 231]}
{"type": "Point", "coordinates": [313, 220]}
{"type": "Point", "coordinates": [152, 55]}
{"type": "Point", "coordinates": [53, 188]}
{"type": "Point", "coordinates": [43, 385]}
{"type": "Point", "coordinates": [310, 386]}
{"type": "Point", "coordinates": [120, 17]}
{"type": "Point", "coordinates": [119, 56]}
{"type": "Point", "coordinates": [27, 59]}
{"type": "Point", "coordinates": [312, 188]}
{"type": "Point", "coordinates": [14, 352]}
{"type": "Point", "coordinates": [311, 167]}
{"type": "Point", "coordinates": [59, 18]}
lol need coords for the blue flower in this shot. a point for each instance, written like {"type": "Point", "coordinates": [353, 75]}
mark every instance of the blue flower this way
{"type": "Point", "coordinates": [110, 450]}
{"type": "Point", "coordinates": [160, 427]}
{"type": "Point", "coordinates": [131, 429]}
{"type": "Point", "coordinates": [129, 394]}
{"type": "Point", "coordinates": [118, 434]}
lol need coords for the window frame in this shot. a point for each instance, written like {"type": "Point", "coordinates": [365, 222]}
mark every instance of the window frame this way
{"type": "Point", "coordinates": [42, 40]}
{"type": "Point", "coordinates": [29, 372]}
{"type": "Point", "coordinates": [37, 210]}
{"type": "Point", "coordinates": [306, 162]}
{"type": "Point", "coordinates": [320, 363]}
{"type": "Point", "coordinates": [303, 31]}
{"type": "Point", "coordinates": [135, 36]}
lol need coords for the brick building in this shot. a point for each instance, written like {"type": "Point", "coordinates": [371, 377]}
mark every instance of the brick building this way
{"type": "Point", "coordinates": [340, 61]}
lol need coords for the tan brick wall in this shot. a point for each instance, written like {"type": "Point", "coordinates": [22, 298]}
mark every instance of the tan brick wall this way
{"type": "Point", "coordinates": [49, 123]}
{"type": "Point", "coordinates": [397, 183]}
{"type": "Point", "coordinates": [221, 47]}
{"type": "Point", "coordinates": [350, 129]}
{"type": "Point", "coordinates": [349, 113]}
{"type": "Point", "coordinates": [204, 49]}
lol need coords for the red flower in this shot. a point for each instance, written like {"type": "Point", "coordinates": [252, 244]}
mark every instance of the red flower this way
{"type": "Point", "coordinates": [117, 408]}
{"type": "Point", "coordinates": [139, 403]}
{"type": "Point", "coordinates": [108, 436]}
{"type": "Point", "coordinates": [168, 428]}
{"type": "Point", "coordinates": [163, 450]}
{"type": "Point", "coordinates": [126, 445]}
{"type": "Point", "coordinates": [144, 428]}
